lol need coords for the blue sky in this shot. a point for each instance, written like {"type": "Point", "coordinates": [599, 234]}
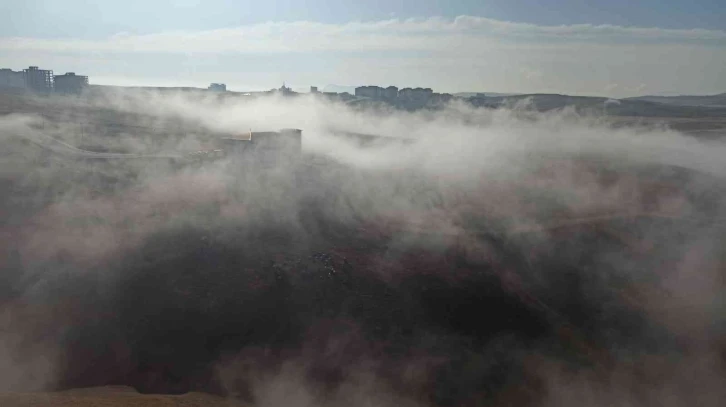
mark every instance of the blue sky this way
{"type": "Point", "coordinates": [563, 45]}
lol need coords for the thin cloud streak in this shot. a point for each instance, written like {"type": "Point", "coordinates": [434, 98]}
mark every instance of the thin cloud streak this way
{"type": "Point", "coordinates": [432, 34]}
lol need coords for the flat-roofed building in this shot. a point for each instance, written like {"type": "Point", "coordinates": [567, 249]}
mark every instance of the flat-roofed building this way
{"type": "Point", "coordinates": [268, 146]}
{"type": "Point", "coordinates": [390, 93]}
{"type": "Point", "coordinates": [12, 79]}
{"type": "Point", "coordinates": [416, 94]}
{"type": "Point", "coordinates": [38, 80]}
{"type": "Point", "coordinates": [373, 92]}
{"type": "Point", "coordinates": [70, 83]}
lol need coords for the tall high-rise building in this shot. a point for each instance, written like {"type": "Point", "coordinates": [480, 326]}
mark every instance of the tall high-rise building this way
{"type": "Point", "coordinates": [38, 80]}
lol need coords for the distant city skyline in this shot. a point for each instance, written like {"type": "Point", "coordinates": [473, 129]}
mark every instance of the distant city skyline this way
{"type": "Point", "coordinates": [613, 49]}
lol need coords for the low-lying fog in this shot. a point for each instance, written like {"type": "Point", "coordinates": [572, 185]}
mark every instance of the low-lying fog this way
{"type": "Point", "coordinates": [497, 257]}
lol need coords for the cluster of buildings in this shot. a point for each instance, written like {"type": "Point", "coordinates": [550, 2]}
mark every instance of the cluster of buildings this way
{"type": "Point", "coordinates": [406, 95]}
{"type": "Point", "coordinates": [217, 87]}
{"type": "Point", "coordinates": [42, 81]}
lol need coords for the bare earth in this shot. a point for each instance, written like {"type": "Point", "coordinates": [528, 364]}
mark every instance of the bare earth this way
{"type": "Point", "coordinates": [111, 396]}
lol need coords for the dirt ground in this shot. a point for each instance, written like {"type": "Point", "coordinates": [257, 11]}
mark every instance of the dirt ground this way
{"type": "Point", "coordinates": [112, 396]}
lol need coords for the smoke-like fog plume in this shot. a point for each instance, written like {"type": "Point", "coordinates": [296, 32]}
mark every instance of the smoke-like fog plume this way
{"type": "Point", "coordinates": [489, 257]}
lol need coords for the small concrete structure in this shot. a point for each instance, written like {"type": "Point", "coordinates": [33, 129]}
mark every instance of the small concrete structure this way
{"type": "Point", "coordinates": [283, 145]}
